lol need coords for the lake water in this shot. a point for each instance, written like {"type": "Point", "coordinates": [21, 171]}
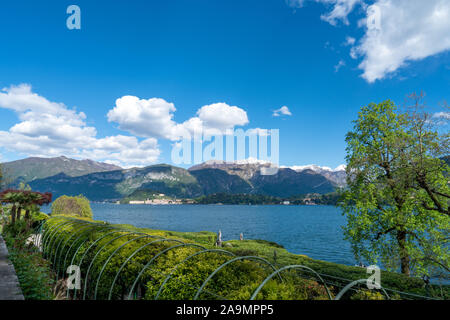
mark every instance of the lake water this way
{"type": "Point", "coordinates": [314, 231]}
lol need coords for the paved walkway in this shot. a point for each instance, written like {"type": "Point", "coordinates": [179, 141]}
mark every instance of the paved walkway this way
{"type": "Point", "coordinates": [9, 284]}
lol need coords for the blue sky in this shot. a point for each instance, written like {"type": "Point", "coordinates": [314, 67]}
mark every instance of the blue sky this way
{"type": "Point", "coordinates": [317, 58]}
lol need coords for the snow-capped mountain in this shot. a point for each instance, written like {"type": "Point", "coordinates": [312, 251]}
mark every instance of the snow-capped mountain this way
{"type": "Point", "coordinates": [245, 168]}
{"type": "Point", "coordinates": [248, 168]}
{"type": "Point", "coordinates": [337, 175]}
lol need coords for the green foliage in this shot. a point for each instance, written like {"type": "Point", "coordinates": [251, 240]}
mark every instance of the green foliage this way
{"type": "Point", "coordinates": [141, 195]}
{"type": "Point", "coordinates": [256, 199]}
{"type": "Point", "coordinates": [34, 273]}
{"type": "Point", "coordinates": [329, 199]}
{"type": "Point", "coordinates": [72, 206]}
{"type": "Point", "coordinates": [368, 295]}
{"type": "Point", "coordinates": [226, 198]}
{"type": "Point", "coordinates": [236, 281]}
{"type": "Point", "coordinates": [391, 218]}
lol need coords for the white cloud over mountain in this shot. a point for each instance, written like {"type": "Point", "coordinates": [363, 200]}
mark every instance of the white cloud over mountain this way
{"type": "Point", "coordinates": [406, 31]}
{"type": "Point", "coordinates": [154, 118]}
{"type": "Point", "coordinates": [48, 129]}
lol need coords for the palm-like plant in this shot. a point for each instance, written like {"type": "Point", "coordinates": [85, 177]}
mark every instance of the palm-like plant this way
{"type": "Point", "coordinates": [27, 200]}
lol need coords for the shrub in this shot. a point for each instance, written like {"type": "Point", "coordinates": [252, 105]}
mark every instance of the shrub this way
{"type": "Point", "coordinates": [33, 272]}
{"type": "Point", "coordinates": [236, 281]}
{"type": "Point", "coordinates": [72, 206]}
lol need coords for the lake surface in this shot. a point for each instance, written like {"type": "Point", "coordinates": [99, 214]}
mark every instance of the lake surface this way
{"type": "Point", "coordinates": [314, 231]}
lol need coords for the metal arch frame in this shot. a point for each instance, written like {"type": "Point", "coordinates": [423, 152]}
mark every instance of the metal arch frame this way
{"type": "Point", "coordinates": [41, 233]}
{"type": "Point", "coordinates": [352, 284]}
{"type": "Point", "coordinates": [80, 232]}
{"type": "Point", "coordinates": [98, 252]}
{"type": "Point", "coordinates": [230, 262]}
{"type": "Point", "coordinates": [87, 250]}
{"type": "Point", "coordinates": [49, 233]}
{"type": "Point", "coordinates": [255, 293]}
{"type": "Point", "coordinates": [156, 257]}
{"type": "Point", "coordinates": [87, 233]}
{"type": "Point", "coordinates": [111, 256]}
{"type": "Point", "coordinates": [59, 236]}
{"type": "Point", "coordinates": [182, 262]}
{"type": "Point", "coordinates": [64, 242]}
{"type": "Point", "coordinates": [132, 255]}
{"type": "Point", "coordinates": [54, 233]}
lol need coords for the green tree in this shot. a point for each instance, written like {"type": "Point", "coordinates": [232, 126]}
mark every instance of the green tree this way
{"type": "Point", "coordinates": [24, 200]}
{"type": "Point", "coordinates": [73, 206]}
{"type": "Point", "coordinates": [390, 217]}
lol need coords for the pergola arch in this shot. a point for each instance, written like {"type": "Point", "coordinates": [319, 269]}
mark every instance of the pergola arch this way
{"type": "Point", "coordinates": [185, 260]}
{"type": "Point", "coordinates": [112, 255]}
{"type": "Point", "coordinates": [255, 293]}
{"type": "Point", "coordinates": [156, 257]}
{"type": "Point", "coordinates": [199, 291]}
{"type": "Point", "coordinates": [131, 256]}
{"type": "Point", "coordinates": [356, 282]}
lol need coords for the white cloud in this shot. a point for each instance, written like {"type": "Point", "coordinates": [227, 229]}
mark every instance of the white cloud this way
{"type": "Point", "coordinates": [48, 129]}
{"type": "Point", "coordinates": [409, 30]}
{"type": "Point", "coordinates": [349, 41]}
{"type": "Point", "coordinates": [340, 64]}
{"type": "Point", "coordinates": [148, 118]}
{"type": "Point", "coordinates": [442, 115]}
{"type": "Point", "coordinates": [405, 31]}
{"type": "Point", "coordinates": [282, 111]}
{"type": "Point", "coordinates": [295, 3]}
{"type": "Point", "coordinates": [154, 118]}
{"type": "Point", "coordinates": [340, 9]}
{"type": "Point", "coordinates": [222, 116]}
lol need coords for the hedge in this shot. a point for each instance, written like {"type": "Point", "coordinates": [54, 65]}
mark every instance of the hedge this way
{"type": "Point", "coordinates": [90, 245]}
{"type": "Point", "coordinates": [102, 252]}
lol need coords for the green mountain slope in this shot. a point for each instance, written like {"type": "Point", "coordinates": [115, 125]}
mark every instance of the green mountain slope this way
{"type": "Point", "coordinates": [287, 183]}
{"type": "Point", "coordinates": [114, 185]}
{"type": "Point", "coordinates": [218, 181]}
{"type": "Point", "coordinates": [181, 183]}
{"type": "Point", "coordinates": [30, 169]}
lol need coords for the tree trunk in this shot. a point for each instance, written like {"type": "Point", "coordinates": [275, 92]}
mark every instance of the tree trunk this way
{"type": "Point", "coordinates": [28, 218]}
{"type": "Point", "coordinates": [404, 256]}
{"type": "Point", "coordinates": [19, 212]}
{"type": "Point", "coordinates": [13, 214]}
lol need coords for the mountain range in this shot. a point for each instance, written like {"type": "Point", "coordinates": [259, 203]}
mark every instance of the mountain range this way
{"type": "Point", "coordinates": [33, 168]}
{"type": "Point", "coordinates": [105, 182]}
